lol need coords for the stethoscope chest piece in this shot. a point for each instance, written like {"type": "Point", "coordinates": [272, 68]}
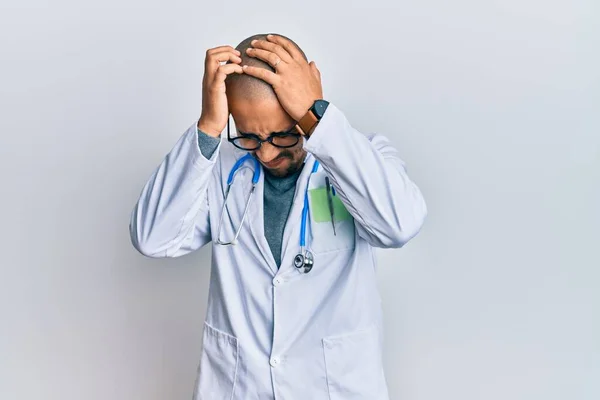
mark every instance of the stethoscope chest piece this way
{"type": "Point", "coordinates": [305, 261]}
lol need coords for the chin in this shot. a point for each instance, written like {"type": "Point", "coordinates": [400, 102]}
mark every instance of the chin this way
{"type": "Point", "coordinates": [279, 172]}
{"type": "Point", "coordinates": [286, 168]}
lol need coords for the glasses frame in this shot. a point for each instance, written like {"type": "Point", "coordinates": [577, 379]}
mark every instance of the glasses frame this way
{"type": "Point", "coordinates": [269, 139]}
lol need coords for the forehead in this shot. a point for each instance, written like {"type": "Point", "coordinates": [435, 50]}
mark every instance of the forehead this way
{"type": "Point", "coordinates": [260, 117]}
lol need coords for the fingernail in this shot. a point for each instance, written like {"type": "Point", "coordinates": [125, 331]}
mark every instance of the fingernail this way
{"type": "Point", "coordinates": [269, 36]}
{"type": "Point", "coordinates": [254, 41]}
{"type": "Point", "coordinates": [244, 66]}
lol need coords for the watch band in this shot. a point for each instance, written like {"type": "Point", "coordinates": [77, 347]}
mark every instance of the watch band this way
{"type": "Point", "coordinates": [309, 121]}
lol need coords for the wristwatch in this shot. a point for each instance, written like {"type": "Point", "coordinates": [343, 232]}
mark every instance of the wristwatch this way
{"type": "Point", "coordinates": [309, 121]}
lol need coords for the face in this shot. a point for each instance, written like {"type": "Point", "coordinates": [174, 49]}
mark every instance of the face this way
{"type": "Point", "coordinates": [263, 118]}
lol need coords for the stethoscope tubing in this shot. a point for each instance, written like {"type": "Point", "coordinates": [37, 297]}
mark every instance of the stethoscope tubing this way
{"type": "Point", "coordinates": [305, 254]}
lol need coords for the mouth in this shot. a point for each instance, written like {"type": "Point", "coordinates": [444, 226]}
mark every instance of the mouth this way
{"type": "Point", "coordinates": [275, 163]}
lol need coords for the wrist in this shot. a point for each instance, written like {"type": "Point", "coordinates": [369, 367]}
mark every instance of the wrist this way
{"type": "Point", "coordinates": [207, 128]}
{"type": "Point", "coordinates": [305, 108]}
{"type": "Point", "coordinates": [309, 121]}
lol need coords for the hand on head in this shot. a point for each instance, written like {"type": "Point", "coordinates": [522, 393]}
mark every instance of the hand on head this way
{"type": "Point", "coordinates": [261, 67]}
{"type": "Point", "coordinates": [296, 82]}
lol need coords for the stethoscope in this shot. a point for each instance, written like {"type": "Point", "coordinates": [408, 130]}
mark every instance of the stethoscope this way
{"type": "Point", "coordinates": [304, 260]}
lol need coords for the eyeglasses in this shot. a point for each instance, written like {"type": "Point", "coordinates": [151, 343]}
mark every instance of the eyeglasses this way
{"type": "Point", "coordinates": [251, 141]}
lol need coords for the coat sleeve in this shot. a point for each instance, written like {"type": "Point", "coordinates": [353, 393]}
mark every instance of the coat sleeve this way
{"type": "Point", "coordinates": [171, 216]}
{"type": "Point", "coordinates": [371, 180]}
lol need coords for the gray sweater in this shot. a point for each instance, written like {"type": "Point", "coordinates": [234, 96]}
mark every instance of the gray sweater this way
{"type": "Point", "coordinates": [279, 195]}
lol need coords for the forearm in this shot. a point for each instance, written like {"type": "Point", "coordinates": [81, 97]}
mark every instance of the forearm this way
{"type": "Point", "coordinates": [208, 144]}
{"type": "Point", "coordinates": [171, 216]}
{"type": "Point", "coordinates": [371, 180]}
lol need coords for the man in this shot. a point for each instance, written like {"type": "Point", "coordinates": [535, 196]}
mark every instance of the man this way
{"type": "Point", "coordinates": [293, 309]}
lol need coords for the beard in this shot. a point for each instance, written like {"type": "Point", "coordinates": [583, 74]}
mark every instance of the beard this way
{"type": "Point", "coordinates": [296, 162]}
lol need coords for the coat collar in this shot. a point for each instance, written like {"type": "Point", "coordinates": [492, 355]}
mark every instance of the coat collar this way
{"type": "Point", "coordinates": [291, 241]}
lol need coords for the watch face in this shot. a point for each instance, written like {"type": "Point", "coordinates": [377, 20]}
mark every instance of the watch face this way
{"type": "Point", "coordinates": [319, 108]}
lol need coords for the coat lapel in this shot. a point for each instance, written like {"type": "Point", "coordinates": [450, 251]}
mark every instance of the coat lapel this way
{"type": "Point", "coordinates": [257, 224]}
{"type": "Point", "coordinates": [291, 232]}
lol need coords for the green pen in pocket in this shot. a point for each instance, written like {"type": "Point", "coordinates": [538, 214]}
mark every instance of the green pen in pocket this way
{"type": "Point", "coordinates": [320, 208]}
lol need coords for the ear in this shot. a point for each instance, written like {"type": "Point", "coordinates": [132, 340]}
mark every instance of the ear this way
{"type": "Point", "coordinates": [315, 70]}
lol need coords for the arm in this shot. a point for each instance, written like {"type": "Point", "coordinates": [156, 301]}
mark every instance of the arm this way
{"type": "Point", "coordinates": [171, 217]}
{"type": "Point", "coordinates": [387, 207]}
{"type": "Point", "coordinates": [371, 180]}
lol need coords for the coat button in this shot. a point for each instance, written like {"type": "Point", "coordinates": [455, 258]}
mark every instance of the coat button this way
{"type": "Point", "coordinates": [278, 281]}
{"type": "Point", "coordinates": [274, 361]}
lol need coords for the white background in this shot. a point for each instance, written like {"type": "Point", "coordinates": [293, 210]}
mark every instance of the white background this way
{"type": "Point", "coordinates": [493, 105]}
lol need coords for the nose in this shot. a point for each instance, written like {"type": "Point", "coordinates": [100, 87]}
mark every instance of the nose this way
{"type": "Point", "coordinates": [267, 152]}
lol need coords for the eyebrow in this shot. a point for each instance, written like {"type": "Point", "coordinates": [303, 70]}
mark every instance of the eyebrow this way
{"type": "Point", "coordinates": [290, 130]}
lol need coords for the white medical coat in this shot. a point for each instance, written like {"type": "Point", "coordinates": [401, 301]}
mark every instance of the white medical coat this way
{"type": "Point", "coordinates": [274, 333]}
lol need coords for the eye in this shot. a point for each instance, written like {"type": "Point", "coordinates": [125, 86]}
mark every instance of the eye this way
{"type": "Point", "coordinates": [291, 132]}
{"type": "Point", "coordinates": [281, 134]}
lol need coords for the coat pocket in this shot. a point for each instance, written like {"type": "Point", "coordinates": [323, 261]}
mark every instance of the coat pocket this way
{"type": "Point", "coordinates": [353, 365]}
{"type": "Point", "coordinates": [218, 365]}
{"type": "Point", "coordinates": [323, 240]}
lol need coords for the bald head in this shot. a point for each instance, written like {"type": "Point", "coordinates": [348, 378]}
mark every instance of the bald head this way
{"type": "Point", "coordinates": [246, 87]}
{"type": "Point", "coordinates": [256, 109]}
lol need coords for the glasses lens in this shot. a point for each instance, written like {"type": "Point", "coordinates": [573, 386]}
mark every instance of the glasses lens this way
{"type": "Point", "coordinates": [285, 140]}
{"type": "Point", "coordinates": [246, 143]}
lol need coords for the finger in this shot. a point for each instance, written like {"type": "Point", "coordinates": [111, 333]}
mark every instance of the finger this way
{"type": "Point", "coordinates": [228, 69]}
{"type": "Point", "coordinates": [268, 76]}
{"type": "Point", "coordinates": [214, 60]}
{"type": "Point", "coordinates": [223, 56]}
{"type": "Point", "coordinates": [315, 70]}
{"type": "Point", "coordinates": [287, 45]}
{"type": "Point", "coordinates": [220, 49]}
{"type": "Point", "coordinates": [273, 48]}
{"type": "Point", "coordinates": [272, 58]}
